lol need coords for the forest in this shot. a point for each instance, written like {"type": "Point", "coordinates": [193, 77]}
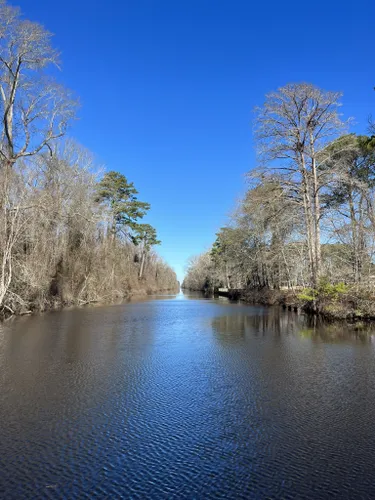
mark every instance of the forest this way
{"type": "Point", "coordinates": [306, 225]}
{"type": "Point", "coordinates": [70, 232]}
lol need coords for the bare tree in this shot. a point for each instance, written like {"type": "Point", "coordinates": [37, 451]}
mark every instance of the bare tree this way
{"type": "Point", "coordinates": [201, 273]}
{"type": "Point", "coordinates": [292, 127]}
{"type": "Point", "coordinates": [34, 109]}
{"type": "Point", "coordinates": [52, 245]}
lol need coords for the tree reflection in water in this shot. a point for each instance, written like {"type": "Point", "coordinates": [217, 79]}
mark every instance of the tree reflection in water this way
{"type": "Point", "coordinates": [235, 326]}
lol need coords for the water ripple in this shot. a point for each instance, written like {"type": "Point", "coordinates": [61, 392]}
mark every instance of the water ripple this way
{"type": "Point", "coordinates": [184, 399]}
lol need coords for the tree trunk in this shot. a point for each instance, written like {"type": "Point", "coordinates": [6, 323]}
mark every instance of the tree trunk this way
{"type": "Point", "coordinates": [141, 269]}
{"type": "Point", "coordinates": [317, 243]}
{"type": "Point", "coordinates": [227, 275]}
{"type": "Point", "coordinates": [309, 222]}
{"type": "Point", "coordinates": [355, 239]}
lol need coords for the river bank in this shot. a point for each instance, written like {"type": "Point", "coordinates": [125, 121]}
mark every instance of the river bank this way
{"type": "Point", "coordinates": [328, 301]}
{"type": "Point", "coordinates": [57, 304]}
{"type": "Point", "coordinates": [331, 302]}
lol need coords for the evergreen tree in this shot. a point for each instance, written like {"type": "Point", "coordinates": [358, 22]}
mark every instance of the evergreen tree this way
{"type": "Point", "coordinates": [120, 196]}
{"type": "Point", "coordinates": [146, 237]}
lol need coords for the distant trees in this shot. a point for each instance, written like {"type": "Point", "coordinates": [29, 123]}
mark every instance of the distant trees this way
{"type": "Point", "coordinates": [222, 254]}
{"type": "Point", "coordinates": [67, 236]}
{"type": "Point", "coordinates": [201, 273]}
{"type": "Point", "coordinates": [308, 214]}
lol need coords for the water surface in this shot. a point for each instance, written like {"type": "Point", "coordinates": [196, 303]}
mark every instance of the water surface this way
{"type": "Point", "coordinates": [184, 397]}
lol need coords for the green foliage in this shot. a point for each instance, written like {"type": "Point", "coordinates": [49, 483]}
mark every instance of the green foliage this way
{"type": "Point", "coordinates": [329, 291]}
{"type": "Point", "coordinates": [309, 210]}
{"type": "Point", "coordinates": [226, 239]}
{"type": "Point", "coordinates": [325, 291]}
{"type": "Point", "coordinates": [356, 155]}
{"type": "Point", "coordinates": [307, 295]}
{"type": "Point", "coordinates": [146, 234]}
{"type": "Point", "coordinates": [120, 196]}
{"type": "Point", "coordinates": [221, 243]}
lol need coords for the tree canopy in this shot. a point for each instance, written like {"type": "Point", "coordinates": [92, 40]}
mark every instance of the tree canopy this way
{"type": "Point", "coordinates": [120, 196]}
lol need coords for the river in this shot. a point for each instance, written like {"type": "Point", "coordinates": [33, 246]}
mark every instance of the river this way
{"type": "Point", "coordinates": [184, 397]}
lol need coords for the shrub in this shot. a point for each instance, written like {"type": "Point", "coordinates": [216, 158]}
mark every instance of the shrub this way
{"type": "Point", "coordinates": [325, 291]}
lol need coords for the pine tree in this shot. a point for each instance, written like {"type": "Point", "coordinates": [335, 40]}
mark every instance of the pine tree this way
{"type": "Point", "coordinates": [120, 196]}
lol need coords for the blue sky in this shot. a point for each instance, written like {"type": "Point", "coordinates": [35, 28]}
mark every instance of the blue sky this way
{"type": "Point", "coordinates": [167, 89]}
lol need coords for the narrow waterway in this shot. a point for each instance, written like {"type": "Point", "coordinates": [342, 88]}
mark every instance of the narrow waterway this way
{"type": "Point", "coordinates": [184, 397]}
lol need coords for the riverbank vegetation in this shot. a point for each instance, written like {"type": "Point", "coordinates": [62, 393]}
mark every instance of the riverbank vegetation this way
{"type": "Point", "coordinates": [305, 230]}
{"type": "Point", "coordinates": [69, 233]}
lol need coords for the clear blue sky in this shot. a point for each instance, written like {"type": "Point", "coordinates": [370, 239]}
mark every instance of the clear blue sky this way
{"type": "Point", "coordinates": [168, 86]}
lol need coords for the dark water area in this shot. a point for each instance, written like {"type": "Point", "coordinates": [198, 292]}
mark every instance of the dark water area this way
{"type": "Point", "coordinates": [183, 397]}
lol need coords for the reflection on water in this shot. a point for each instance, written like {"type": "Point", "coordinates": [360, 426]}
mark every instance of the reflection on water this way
{"type": "Point", "coordinates": [264, 322]}
{"type": "Point", "coordinates": [276, 322]}
{"type": "Point", "coordinates": [183, 397]}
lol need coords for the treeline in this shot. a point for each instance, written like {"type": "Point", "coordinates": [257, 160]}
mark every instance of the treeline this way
{"type": "Point", "coordinates": [68, 234]}
{"type": "Point", "coordinates": [308, 216]}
